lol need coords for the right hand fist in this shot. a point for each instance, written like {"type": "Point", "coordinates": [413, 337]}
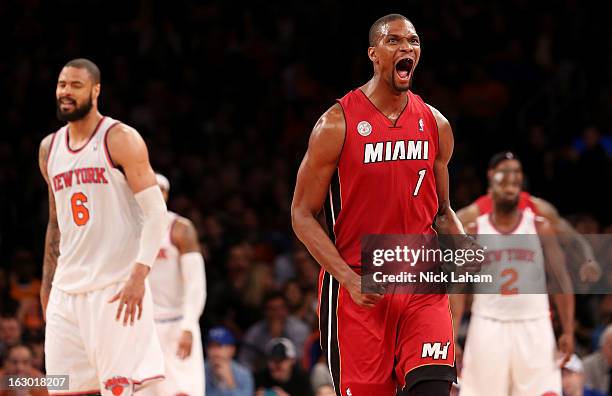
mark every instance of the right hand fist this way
{"type": "Point", "coordinates": [353, 286]}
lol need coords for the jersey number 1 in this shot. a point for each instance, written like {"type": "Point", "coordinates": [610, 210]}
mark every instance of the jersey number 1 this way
{"type": "Point", "coordinates": [80, 213]}
{"type": "Point", "coordinates": [418, 185]}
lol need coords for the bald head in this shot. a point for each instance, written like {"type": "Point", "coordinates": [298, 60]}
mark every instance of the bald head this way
{"type": "Point", "coordinates": [376, 28]}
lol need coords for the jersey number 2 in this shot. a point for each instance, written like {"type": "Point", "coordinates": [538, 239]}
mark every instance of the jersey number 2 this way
{"type": "Point", "coordinates": [80, 213]}
{"type": "Point", "coordinates": [507, 287]}
{"type": "Point", "coordinates": [419, 182]}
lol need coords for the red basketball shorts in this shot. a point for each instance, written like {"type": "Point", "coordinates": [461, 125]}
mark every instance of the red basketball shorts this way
{"type": "Point", "coordinates": [403, 340]}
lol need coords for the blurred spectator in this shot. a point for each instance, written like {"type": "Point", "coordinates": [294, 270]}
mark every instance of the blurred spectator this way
{"type": "Point", "coordinates": [572, 377]}
{"type": "Point", "coordinates": [19, 362]}
{"type": "Point", "coordinates": [597, 366]}
{"type": "Point", "coordinates": [224, 376]}
{"type": "Point", "coordinates": [23, 282]}
{"type": "Point", "coordinates": [277, 323]}
{"type": "Point", "coordinates": [282, 375]}
{"type": "Point", "coordinates": [10, 334]}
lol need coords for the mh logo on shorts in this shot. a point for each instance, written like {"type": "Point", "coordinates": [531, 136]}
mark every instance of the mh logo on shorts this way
{"type": "Point", "coordinates": [117, 385]}
{"type": "Point", "coordinates": [435, 350]}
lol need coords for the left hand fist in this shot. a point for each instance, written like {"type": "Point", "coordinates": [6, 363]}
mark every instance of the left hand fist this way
{"type": "Point", "coordinates": [590, 271]}
{"type": "Point", "coordinates": [566, 346]}
{"type": "Point", "coordinates": [184, 345]}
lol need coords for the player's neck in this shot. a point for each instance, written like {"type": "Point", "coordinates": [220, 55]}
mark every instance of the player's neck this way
{"type": "Point", "coordinates": [386, 99]}
{"type": "Point", "coordinates": [505, 220]}
{"type": "Point", "coordinates": [82, 129]}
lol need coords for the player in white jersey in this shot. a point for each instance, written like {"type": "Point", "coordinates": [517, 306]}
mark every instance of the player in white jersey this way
{"type": "Point", "coordinates": [178, 284]}
{"type": "Point", "coordinates": [510, 346]}
{"type": "Point", "coordinates": [107, 217]}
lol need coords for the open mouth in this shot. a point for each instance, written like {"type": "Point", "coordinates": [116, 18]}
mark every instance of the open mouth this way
{"type": "Point", "coordinates": [403, 68]}
{"type": "Point", "coordinates": [67, 103]}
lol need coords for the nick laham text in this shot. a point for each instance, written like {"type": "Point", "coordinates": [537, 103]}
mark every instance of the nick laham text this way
{"type": "Point", "coordinates": [432, 277]}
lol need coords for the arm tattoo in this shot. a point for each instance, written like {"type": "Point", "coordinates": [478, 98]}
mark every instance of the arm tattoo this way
{"type": "Point", "coordinates": [52, 236]}
{"type": "Point", "coordinates": [52, 239]}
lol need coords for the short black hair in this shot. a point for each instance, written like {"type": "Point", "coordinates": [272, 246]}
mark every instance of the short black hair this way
{"type": "Point", "coordinates": [498, 158]}
{"type": "Point", "coordinates": [375, 28]}
{"type": "Point", "coordinates": [82, 63]}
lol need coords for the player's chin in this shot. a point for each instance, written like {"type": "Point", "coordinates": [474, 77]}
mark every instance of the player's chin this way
{"type": "Point", "coordinates": [401, 84]}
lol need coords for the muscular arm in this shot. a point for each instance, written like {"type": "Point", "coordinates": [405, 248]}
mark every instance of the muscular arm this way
{"type": "Point", "coordinates": [446, 220]}
{"type": "Point", "coordinates": [569, 236]}
{"type": "Point", "coordinates": [128, 150]}
{"type": "Point", "coordinates": [311, 188]}
{"type": "Point", "coordinates": [52, 237]}
{"type": "Point", "coordinates": [564, 297]}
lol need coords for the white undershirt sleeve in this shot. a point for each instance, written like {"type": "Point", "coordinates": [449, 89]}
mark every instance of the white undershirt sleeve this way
{"type": "Point", "coordinates": [194, 289]}
{"type": "Point", "coordinates": [155, 223]}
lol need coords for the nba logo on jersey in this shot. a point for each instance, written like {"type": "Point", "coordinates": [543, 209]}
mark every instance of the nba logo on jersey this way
{"type": "Point", "coordinates": [421, 125]}
{"type": "Point", "coordinates": [364, 128]}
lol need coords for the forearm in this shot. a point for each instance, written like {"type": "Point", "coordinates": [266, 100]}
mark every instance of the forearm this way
{"type": "Point", "coordinates": [52, 239]}
{"type": "Point", "coordinates": [154, 225]}
{"type": "Point", "coordinates": [320, 246]}
{"type": "Point", "coordinates": [565, 308]}
{"type": "Point", "coordinates": [576, 239]}
{"type": "Point", "coordinates": [194, 289]}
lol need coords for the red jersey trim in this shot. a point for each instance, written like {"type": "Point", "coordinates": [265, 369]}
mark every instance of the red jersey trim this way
{"type": "Point", "coordinates": [140, 382]}
{"type": "Point", "coordinates": [93, 392]}
{"type": "Point", "coordinates": [88, 140]}
{"type": "Point", "coordinates": [106, 151]}
{"type": "Point", "coordinates": [516, 226]}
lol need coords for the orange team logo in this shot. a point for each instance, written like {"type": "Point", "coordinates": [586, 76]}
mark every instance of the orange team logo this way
{"type": "Point", "coordinates": [116, 385]}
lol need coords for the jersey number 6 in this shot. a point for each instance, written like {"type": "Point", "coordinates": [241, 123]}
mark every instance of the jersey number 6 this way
{"type": "Point", "coordinates": [80, 213]}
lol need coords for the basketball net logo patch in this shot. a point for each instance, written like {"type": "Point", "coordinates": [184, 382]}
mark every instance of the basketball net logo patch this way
{"type": "Point", "coordinates": [364, 128]}
{"type": "Point", "coordinates": [117, 385]}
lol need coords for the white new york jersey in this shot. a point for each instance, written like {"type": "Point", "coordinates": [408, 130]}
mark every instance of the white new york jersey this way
{"type": "Point", "coordinates": [165, 278]}
{"type": "Point", "coordinates": [98, 217]}
{"type": "Point", "coordinates": [517, 266]}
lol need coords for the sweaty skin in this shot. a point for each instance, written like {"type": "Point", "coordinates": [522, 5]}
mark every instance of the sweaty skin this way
{"type": "Point", "coordinates": [127, 149]}
{"type": "Point", "coordinates": [397, 40]}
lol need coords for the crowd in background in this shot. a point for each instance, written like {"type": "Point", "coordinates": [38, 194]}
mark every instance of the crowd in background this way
{"type": "Point", "coordinates": [225, 98]}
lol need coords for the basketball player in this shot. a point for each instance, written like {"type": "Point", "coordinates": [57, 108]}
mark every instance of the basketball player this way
{"type": "Point", "coordinates": [380, 157]}
{"type": "Point", "coordinates": [510, 347]}
{"type": "Point", "coordinates": [107, 217]}
{"type": "Point", "coordinates": [509, 162]}
{"type": "Point", "coordinates": [178, 286]}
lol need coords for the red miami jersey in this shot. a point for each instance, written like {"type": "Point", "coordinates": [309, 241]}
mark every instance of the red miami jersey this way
{"type": "Point", "coordinates": [485, 203]}
{"type": "Point", "coordinates": [384, 183]}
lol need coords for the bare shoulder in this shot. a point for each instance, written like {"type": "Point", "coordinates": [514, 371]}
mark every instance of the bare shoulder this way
{"type": "Point", "coordinates": [121, 134]}
{"type": "Point", "coordinates": [330, 126]}
{"type": "Point", "coordinates": [543, 226]}
{"type": "Point", "coordinates": [184, 235]}
{"type": "Point", "coordinates": [440, 119]}
{"type": "Point", "coordinates": [125, 143]}
{"type": "Point", "coordinates": [43, 153]}
{"type": "Point", "coordinates": [471, 228]}
{"type": "Point", "coordinates": [468, 214]}
{"type": "Point", "coordinates": [545, 208]}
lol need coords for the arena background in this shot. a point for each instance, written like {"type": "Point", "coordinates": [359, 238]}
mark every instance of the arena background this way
{"type": "Point", "coordinates": [226, 96]}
